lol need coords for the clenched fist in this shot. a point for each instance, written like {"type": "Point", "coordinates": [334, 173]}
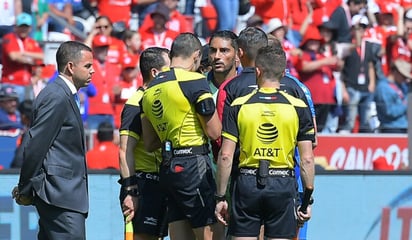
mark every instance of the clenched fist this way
{"type": "Point", "coordinates": [21, 199]}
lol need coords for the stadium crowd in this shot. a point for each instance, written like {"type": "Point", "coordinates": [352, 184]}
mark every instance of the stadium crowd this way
{"type": "Point", "coordinates": [354, 56]}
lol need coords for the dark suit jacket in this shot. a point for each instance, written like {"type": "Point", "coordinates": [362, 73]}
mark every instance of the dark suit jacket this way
{"type": "Point", "coordinates": [54, 166]}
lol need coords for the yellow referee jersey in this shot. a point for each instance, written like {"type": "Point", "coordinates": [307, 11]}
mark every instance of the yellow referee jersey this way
{"type": "Point", "coordinates": [267, 124]}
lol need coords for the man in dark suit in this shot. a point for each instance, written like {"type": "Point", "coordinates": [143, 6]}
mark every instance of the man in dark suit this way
{"type": "Point", "coordinates": [54, 175]}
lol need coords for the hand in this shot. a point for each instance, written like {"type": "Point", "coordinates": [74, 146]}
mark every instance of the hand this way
{"type": "Point", "coordinates": [371, 87]}
{"type": "Point", "coordinates": [296, 52]}
{"type": "Point", "coordinates": [345, 96]}
{"type": "Point", "coordinates": [71, 21]}
{"type": "Point", "coordinates": [41, 21]}
{"type": "Point", "coordinates": [94, 31]}
{"type": "Point", "coordinates": [340, 64]}
{"type": "Point", "coordinates": [332, 61]}
{"type": "Point", "coordinates": [304, 217]}
{"type": "Point", "coordinates": [117, 90]}
{"type": "Point", "coordinates": [129, 207]}
{"type": "Point", "coordinates": [21, 199]}
{"type": "Point", "coordinates": [221, 212]}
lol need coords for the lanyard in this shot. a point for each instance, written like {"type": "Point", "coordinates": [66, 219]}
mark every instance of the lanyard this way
{"type": "Point", "coordinates": [361, 52]}
{"type": "Point", "coordinates": [397, 90]}
{"type": "Point", "coordinates": [159, 38]}
{"type": "Point", "coordinates": [20, 43]}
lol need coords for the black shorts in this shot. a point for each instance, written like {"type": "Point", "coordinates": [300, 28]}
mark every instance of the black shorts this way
{"type": "Point", "coordinates": [190, 187]}
{"type": "Point", "coordinates": [273, 206]}
{"type": "Point", "coordinates": [150, 217]}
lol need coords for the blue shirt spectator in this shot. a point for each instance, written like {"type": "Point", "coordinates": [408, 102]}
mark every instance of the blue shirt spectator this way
{"type": "Point", "coordinates": [84, 94]}
{"type": "Point", "coordinates": [391, 98]}
{"type": "Point", "coordinates": [63, 9]}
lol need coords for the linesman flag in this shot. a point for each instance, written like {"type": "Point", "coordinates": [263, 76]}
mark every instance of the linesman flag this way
{"type": "Point", "coordinates": [128, 230]}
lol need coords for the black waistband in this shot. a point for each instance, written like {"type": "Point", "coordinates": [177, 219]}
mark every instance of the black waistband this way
{"type": "Point", "coordinates": [189, 151]}
{"type": "Point", "coordinates": [279, 172]}
{"type": "Point", "coordinates": [149, 176]}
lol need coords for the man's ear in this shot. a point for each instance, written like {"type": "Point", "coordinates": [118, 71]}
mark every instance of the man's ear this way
{"type": "Point", "coordinates": [69, 67]}
{"type": "Point", "coordinates": [240, 53]}
{"type": "Point", "coordinates": [154, 72]}
{"type": "Point", "coordinates": [237, 59]}
{"type": "Point", "coordinates": [258, 72]}
{"type": "Point", "coordinates": [197, 56]}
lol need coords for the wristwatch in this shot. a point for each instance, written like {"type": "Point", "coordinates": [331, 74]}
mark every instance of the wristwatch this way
{"type": "Point", "coordinates": [220, 198]}
{"type": "Point", "coordinates": [311, 201]}
{"type": "Point", "coordinates": [134, 192]}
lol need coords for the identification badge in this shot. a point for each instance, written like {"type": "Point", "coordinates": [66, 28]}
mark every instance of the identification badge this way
{"type": "Point", "coordinates": [105, 98]}
{"type": "Point", "coordinates": [361, 79]}
{"type": "Point", "coordinates": [325, 78]}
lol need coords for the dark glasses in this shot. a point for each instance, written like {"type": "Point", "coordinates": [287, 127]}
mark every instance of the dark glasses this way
{"type": "Point", "coordinates": [103, 27]}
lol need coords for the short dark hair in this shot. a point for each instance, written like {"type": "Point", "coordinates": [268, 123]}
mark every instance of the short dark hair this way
{"type": "Point", "coordinates": [104, 17]}
{"type": "Point", "coordinates": [228, 35]}
{"type": "Point", "coordinates": [205, 55]}
{"type": "Point", "coordinates": [70, 51]}
{"type": "Point", "coordinates": [184, 45]}
{"type": "Point", "coordinates": [272, 62]}
{"type": "Point", "coordinates": [105, 132]}
{"type": "Point", "coordinates": [151, 58]}
{"type": "Point", "coordinates": [251, 39]}
{"type": "Point", "coordinates": [357, 2]}
{"type": "Point", "coordinates": [273, 41]}
{"type": "Point", "coordinates": [128, 34]}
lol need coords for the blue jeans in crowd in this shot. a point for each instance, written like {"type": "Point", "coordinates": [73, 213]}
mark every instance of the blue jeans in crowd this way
{"type": "Point", "coordinates": [227, 12]}
{"type": "Point", "coordinates": [189, 7]}
{"type": "Point", "coordinates": [359, 104]}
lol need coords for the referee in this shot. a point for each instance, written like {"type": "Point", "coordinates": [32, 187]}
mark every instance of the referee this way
{"type": "Point", "coordinates": [141, 198]}
{"type": "Point", "coordinates": [265, 190]}
{"type": "Point", "coordinates": [180, 116]}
